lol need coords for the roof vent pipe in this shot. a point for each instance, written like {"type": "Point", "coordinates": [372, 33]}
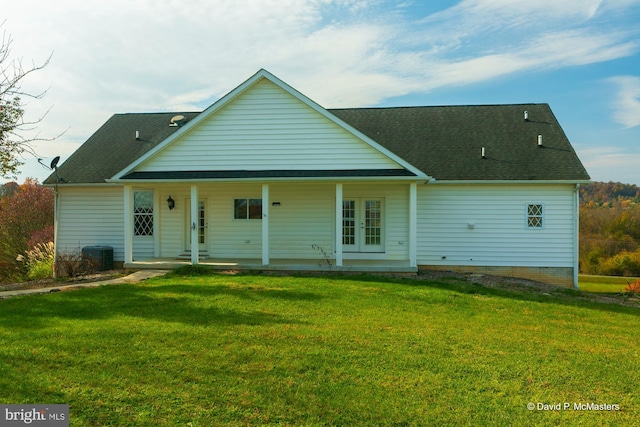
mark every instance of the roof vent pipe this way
{"type": "Point", "coordinates": [137, 135]}
{"type": "Point", "coordinates": [526, 116]}
{"type": "Point", "coordinates": [483, 156]}
{"type": "Point", "coordinates": [539, 140]}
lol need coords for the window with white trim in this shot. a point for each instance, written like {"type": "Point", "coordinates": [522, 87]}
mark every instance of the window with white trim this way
{"type": "Point", "coordinates": [535, 215]}
{"type": "Point", "coordinates": [247, 208]}
{"type": "Point", "coordinates": [143, 213]}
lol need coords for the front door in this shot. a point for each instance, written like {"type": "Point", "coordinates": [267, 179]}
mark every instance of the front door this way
{"type": "Point", "coordinates": [201, 224]}
{"type": "Point", "coordinates": [363, 225]}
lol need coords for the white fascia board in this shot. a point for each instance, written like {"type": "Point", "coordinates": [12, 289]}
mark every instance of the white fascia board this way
{"type": "Point", "coordinates": [107, 183]}
{"type": "Point", "coordinates": [293, 92]}
{"type": "Point", "coordinates": [504, 182]}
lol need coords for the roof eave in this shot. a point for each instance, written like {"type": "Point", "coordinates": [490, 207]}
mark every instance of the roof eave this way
{"type": "Point", "coordinates": [275, 179]}
{"type": "Point", "coordinates": [512, 181]}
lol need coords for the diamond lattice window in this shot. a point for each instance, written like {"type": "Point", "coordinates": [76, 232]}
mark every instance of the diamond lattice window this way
{"type": "Point", "coordinates": [143, 213]}
{"type": "Point", "coordinates": [534, 216]}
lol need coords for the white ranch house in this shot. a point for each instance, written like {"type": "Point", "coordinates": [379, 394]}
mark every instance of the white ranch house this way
{"type": "Point", "coordinates": [265, 178]}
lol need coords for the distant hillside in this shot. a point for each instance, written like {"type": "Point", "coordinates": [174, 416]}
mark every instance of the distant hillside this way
{"type": "Point", "coordinates": [610, 229]}
{"type": "Point", "coordinates": [599, 193]}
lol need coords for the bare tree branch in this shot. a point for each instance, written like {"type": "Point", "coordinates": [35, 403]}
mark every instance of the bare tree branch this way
{"type": "Point", "coordinates": [13, 127]}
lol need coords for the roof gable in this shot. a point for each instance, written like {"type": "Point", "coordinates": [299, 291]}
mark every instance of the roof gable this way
{"type": "Point", "coordinates": [265, 125]}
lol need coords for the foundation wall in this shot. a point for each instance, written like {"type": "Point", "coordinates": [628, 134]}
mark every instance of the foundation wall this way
{"type": "Point", "coordinates": [559, 276]}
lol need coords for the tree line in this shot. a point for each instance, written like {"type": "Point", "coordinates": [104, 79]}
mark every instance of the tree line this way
{"type": "Point", "coordinates": [610, 229]}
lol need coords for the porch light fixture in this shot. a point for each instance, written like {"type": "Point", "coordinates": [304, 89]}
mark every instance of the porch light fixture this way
{"type": "Point", "coordinates": [171, 203]}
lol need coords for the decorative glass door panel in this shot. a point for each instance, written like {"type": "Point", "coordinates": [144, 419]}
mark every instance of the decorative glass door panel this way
{"type": "Point", "coordinates": [349, 225]}
{"type": "Point", "coordinates": [363, 225]}
{"type": "Point", "coordinates": [372, 222]}
{"type": "Point", "coordinates": [201, 224]}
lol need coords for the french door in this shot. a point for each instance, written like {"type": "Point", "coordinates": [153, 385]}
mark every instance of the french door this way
{"type": "Point", "coordinates": [363, 225]}
{"type": "Point", "coordinates": [201, 224]}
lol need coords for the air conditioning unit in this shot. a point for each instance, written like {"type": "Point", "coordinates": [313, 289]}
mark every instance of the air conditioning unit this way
{"type": "Point", "coordinates": [100, 256]}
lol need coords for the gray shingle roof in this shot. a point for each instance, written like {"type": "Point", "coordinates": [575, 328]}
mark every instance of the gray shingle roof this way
{"type": "Point", "coordinates": [114, 146]}
{"type": "Point", "coordinates": [444, 142]}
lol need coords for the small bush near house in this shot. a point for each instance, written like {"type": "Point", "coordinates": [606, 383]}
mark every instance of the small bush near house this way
{"type": "Point", "coordinates": [72, 264]}
{"type": "Point", "coordinates": [39, 261]}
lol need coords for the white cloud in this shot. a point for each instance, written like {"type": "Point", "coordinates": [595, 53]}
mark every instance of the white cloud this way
{"type": "Point", "coordinates": [627, 102]}
{"type": "Point", "coordinates": [610, 163]}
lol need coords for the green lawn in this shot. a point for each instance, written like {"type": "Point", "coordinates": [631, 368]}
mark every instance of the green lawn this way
{"type": "Point", "coordinates": [603, 284]}
{"type": "Point", "coordinates": [333, 350]}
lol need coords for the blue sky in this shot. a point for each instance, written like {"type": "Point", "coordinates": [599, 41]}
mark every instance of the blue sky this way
{"type": "Point", "coordinates": [580, 56]}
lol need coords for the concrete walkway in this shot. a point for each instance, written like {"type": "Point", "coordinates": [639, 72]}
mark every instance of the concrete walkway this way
{"type": "Point", "coordinates": [138, 276]}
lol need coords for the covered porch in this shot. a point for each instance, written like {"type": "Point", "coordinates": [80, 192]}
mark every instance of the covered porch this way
{"type": "Point", "coordinates": [365, 226]}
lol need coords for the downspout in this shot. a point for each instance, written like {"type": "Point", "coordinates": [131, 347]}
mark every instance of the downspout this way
{"type": "Point", "coordinates": [576, 237]}
{"type": "Point", "coordinates": [56, 220]}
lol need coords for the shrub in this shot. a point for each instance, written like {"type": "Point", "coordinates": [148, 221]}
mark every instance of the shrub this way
{"type": "Point", "coordinates": [633, 288]}
{"type": "Point", "coordinates": [41, 236]}
{"type": "Point", "coordinates": [74, 263]}
{"type": "Point", "coordinates": [39, 261]}
{"type": "Point", "coordinates": [623, 264]}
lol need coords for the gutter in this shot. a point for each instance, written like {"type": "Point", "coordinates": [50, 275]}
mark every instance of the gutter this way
{"type": "Point", "coordinates": [576, 237]}
{"type": "Point", "coordinates": [288, 180]}
{"type": "Point", "coordinates": [507, 181]}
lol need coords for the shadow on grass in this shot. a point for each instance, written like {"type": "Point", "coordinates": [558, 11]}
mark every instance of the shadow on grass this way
{"type": "Point", "coordinates": [560, 296]}
{"type": "Point", "coordinates": [187, 304]}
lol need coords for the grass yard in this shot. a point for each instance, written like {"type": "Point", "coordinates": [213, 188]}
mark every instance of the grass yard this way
{"type": "Point", "coordinates": [331, 350]}
{"type": "Point", "coordinates": [604, 284]}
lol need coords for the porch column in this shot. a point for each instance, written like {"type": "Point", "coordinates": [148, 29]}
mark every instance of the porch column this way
{"type": "Point", "coordinates": [156, 222]}
{"type": "Point", "coordinates": [128, 224]}
{"type": "Point", "coordinates": [265, 224]}
{"type": "Point", "coordinates": [338, 221]}
{"type": "Point", "coordinates": [195, 254]}
{"type": "Point", "coordinates": [413, 224]}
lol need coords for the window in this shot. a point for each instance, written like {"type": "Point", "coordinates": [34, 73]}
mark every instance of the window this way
{"type": "Point", "coordinates": [535, 215]}
{"type": "Point", "coordinates": [143, 213]}
{"type": "Point", "coordinates": [349, 222]}
{"type": "Point", "coordinates": [247, 209]}
{"type": "Point", "coordinates": [363, 225]}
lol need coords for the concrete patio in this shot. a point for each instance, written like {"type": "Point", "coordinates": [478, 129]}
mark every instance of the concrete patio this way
{"type": "Point", "coordinates": [351, 266]}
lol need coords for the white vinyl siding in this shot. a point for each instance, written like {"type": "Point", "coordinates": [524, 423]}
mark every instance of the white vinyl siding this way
{"type": "Point", "coordinates": [91, 216]}
{"type": "Point", "coordinates": [94, 216]}
{"type": "Point", "coordinates": [477, 225]}
{"type": "Point", "coordinates": [266, 128]}
{"type": "Point", "coordinates": [304, 218]}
